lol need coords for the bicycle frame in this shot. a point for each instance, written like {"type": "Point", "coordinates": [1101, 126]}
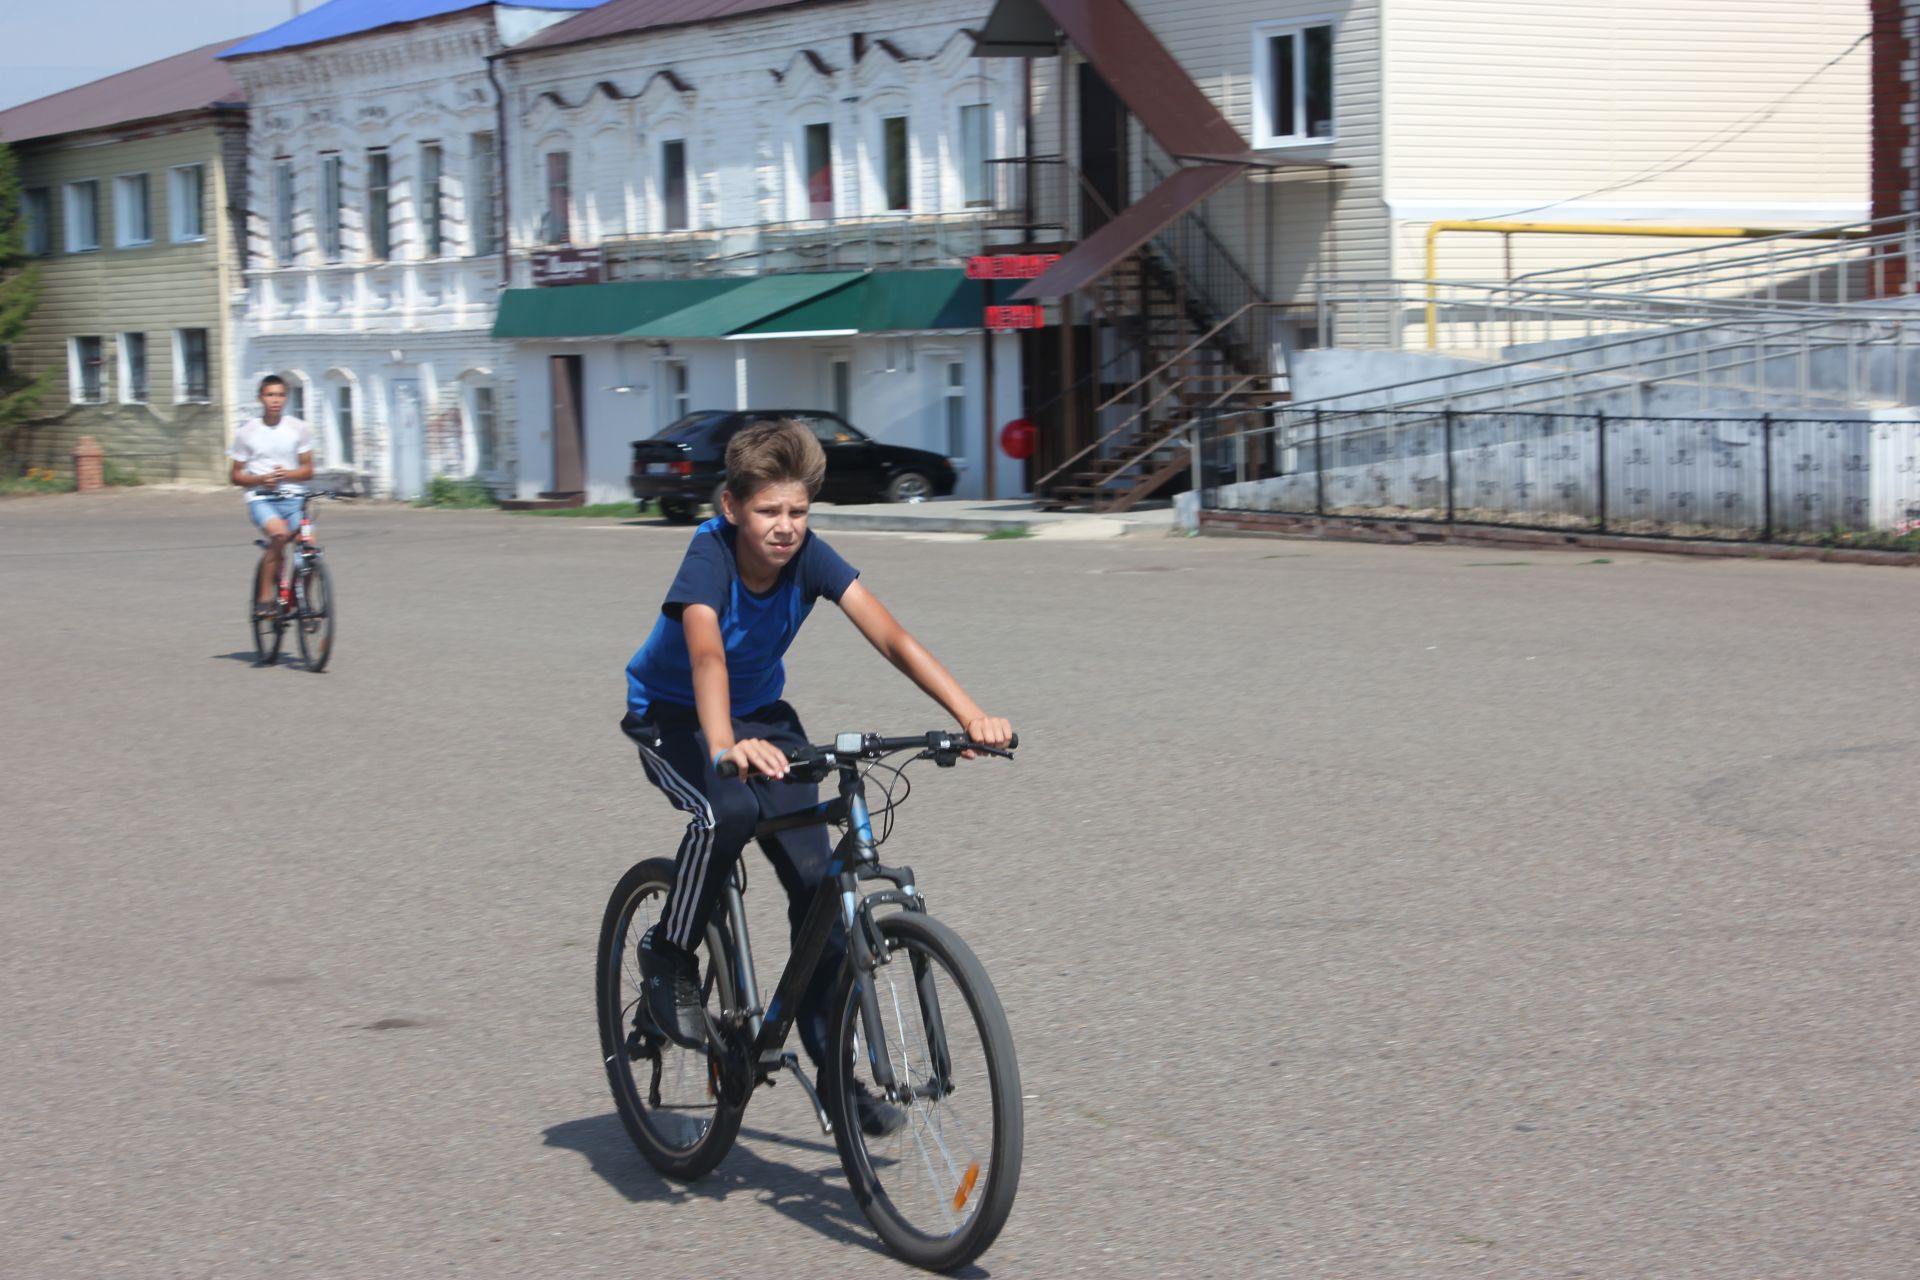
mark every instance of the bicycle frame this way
{"type": "Point", "coordinates": [855, 859]}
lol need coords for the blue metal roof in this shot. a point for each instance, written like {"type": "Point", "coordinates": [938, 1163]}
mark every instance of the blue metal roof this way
{"type": "Point", "coordinates": [339, 18]}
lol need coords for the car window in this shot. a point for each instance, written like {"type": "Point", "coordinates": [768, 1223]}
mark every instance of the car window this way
{"type": "Point", "coordinates": [694, 427]}
{"type": "Point", "coordinates": [828, 430]}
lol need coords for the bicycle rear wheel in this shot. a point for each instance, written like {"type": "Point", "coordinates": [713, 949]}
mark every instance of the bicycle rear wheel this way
{"type": "Point", "coordinates": [670, 1098]}
{"type": "Point", "coordinates": [268, 631]}
{"type": "Point", "coordinates": [940, 1188]}
{"type": "Point", "coordinates": [314, 614]}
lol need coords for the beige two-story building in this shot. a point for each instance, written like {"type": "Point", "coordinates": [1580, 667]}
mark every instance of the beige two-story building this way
{"type": "Point", "coordinates": [133, 191]}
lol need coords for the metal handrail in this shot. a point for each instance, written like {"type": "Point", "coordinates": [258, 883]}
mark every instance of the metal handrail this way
{"type": "Point", "coordinates": [1840, 237]}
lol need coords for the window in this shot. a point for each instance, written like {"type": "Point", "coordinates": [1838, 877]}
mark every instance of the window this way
{"type": "Point", "coordinates": [84, 372]}
{"type": "Point", "coordinates": [186, 200]}
{"type": "Point", "coordinates": [431, 163]}
{"type": "Point", "coordinates": [132, 220]}
{"type": "Point", "coordinates": [673, 185]}
{"type": "Point", "coordinates": [332, 204]}
{"type": "Point", "coordinates": [343, 425]}
{"type": "Point", "coordinates": [893, 162]}
{"type": "Point", "coordinates": [191, 380]}
{"type": "Point", "coordinates": [283, 212]}
{"type": "Point", "coordinates": [83, 216]}
{"type": "Point", "coordinates": [296, 397]}
{"type": "Point", "coordinates": [817, 169]}
{"type": "Point", "coordinates": [133, 368]}
{"type": "Point", "coordinates": [840, 386]}
{"type": "Point", "coordinates": [976, 187]}
{"type": "Point", "coordinates": [36, 205]}
{"type": "Point", "coordinates": [675, 399]}
{"type": "Point", "coordinates": [483, 196]}
{"type": "Point", "coordinates": [559, 199]}
{"type": "Point", "coordinates": [486, 442]}
{"type": "Point", "coordinates": [379, 206]}
{"type": "Point", "coordinates": [955, 405]}
{"type": "Point", "coordinates": [1293, 85]}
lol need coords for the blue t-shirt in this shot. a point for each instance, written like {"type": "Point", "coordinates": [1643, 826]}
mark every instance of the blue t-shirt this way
{"type": "Point", "coordinates": [756, 626]}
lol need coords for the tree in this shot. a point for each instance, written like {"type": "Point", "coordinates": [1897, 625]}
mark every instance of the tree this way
{"type": "Point", "coordinates": [19, 290]}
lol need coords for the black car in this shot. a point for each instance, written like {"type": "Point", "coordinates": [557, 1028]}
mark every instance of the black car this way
{"type": "Point", "coordinates": [684, 465]}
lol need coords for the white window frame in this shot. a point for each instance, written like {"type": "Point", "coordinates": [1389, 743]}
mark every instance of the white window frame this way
{"type": "Point", "coordinates": [665, 221]}
{"type": "Point", "coordinates": [339, 432]}
{"type": "Point", "coordinates": [126, 379]}
{"type": "Point", "coordinates": [557, 230]}
{"type": "Point", "coordinates": [882, 200]}
{"type": "Point", "coordinates": [803, 199]}
{"type": "Point", "coordinates": [181, 389]}
{"type": "Point", "coordinates": [482, 196]}
{"type": "Point", "coordinates": [76, 380]}
{"type": "Point", "coordinates": [1264, 132]}
{"type": "Point", "coordinates": [675, 402]}
{"type": "Point", "coordinates": [332, 210]}
{"type": "Point", "coordinates": [39, 215]}
{"type": "Point", "coordinates": [377, 231]}
{"type": "Point", "coordinates": [180, 202]}
{"type": "Point", "coordinates": [950, 392]}
{"type": "Point", "coordinates": [125, 185]}
{"type": "Point", "coordinates": [75, 241]}
{"type": "Point", "coordinates": [964, 164]}
{"type": "Point", "coordinates": [285, 196]}
{"type": "Point", "coordinates": [430, 205]}
{"type": "Point", "coordinates": [482, 464]}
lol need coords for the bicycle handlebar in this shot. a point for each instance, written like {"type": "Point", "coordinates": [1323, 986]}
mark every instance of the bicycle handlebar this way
{"type": "Point", "coordinates": [309, 494]}
{"type": "Point", "coordinates": [943, 746]}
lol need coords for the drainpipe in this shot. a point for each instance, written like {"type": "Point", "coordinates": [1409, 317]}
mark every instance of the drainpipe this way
{"type": "Point", "coordinates": [500, 175]}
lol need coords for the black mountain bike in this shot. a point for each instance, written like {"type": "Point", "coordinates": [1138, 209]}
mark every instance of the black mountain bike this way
{"type": "Point", "coordinates": [304, 599]}
{"type": "Point", "coordinates": [913, 1019]}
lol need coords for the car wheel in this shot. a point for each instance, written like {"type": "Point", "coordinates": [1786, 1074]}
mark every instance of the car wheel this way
{"type": "Point", "coordinates": [909, 486]}
{"type": "Point", "coordinates": [676, 511]}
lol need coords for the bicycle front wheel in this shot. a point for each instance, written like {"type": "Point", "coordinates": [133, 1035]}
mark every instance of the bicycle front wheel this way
{"type": "Point", "coordinates": [267, 631]}
{"type": "Point", "coordinates": [939, 1188]}
{"type": "Point", "coordinates": [314, 614]}
{"type": "Point", "coordinates": [670, 1098]}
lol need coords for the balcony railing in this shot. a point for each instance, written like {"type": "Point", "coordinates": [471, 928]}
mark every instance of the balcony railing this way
{"type": "Point", "coordinates": [903, 242]}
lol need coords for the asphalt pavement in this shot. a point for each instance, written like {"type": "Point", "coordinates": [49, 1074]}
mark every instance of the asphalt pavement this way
{"type": "Point", "coordinates": [1359, 911]}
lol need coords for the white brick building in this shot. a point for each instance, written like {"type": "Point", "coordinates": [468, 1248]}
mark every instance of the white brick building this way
{"type": "Point", "coordinates": [375, 246]}
{"type": "Point", "coordinates": [659, 148]}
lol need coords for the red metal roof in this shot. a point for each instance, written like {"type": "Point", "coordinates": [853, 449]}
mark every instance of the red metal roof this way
{"type": "Point", "coordinates": [1128, 56]}
{"type": "Point", "coordinates": [1129, 229]}
{"type": "Point", "coordinates": [190, 81]}
{"type": "Point", "coordinates": [619, 17]}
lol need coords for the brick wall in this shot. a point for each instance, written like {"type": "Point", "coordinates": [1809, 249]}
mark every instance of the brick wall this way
{"type": "Point", "coordinates": [1896, 166]}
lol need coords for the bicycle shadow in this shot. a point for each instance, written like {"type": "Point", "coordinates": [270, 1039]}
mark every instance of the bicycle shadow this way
{"type": "Point", "coordinates": [293, 662]}
{"type": "Point", "coordinates": [816, 1196]}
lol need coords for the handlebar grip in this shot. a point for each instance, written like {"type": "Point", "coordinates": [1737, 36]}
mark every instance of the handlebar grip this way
{"type": "Point", "coordinates": [727, 769]}
{"type": "Point", "coordinates": [1013, 743]}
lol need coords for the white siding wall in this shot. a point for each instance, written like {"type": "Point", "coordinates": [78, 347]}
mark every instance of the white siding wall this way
{"type": "Point", "coordinates": [1620, 111]}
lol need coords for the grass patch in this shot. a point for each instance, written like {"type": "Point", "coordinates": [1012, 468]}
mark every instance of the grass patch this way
{"type": "Point", "coordinates": [1498, 564]}
{"type": "Point", "coordinates": [116, 475]}
{"type": "Point", "coordinates": [1008, 535]}
{"type": "Point", "coordinates": [37, 480]}
{"type": "Point", "coordinates": [603, 510]}
{"type": "Point", "coordinates": [1599, 560]}
{"type": "Point", "coordinates": [468, 494]}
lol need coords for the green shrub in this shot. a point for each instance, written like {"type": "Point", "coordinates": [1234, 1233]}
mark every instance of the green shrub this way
{"type": "Point", "coordinates": [444, 491]}
{"type": "Point", "coordinates": [115, 474]}
{"type": "Point", "coordinates": [37, 480]}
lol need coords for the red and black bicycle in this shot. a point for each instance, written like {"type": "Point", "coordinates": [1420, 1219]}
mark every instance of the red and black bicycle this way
{"type": "Point", "coordinates": [304, 601]}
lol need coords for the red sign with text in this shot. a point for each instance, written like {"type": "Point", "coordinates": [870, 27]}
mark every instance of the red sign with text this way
{"type": "Point", "coordinates": [1010, 266]}
{"type": "Point", "coordinates": [1015, 317]}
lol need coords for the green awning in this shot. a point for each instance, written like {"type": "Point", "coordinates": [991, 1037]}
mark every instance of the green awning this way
{"type": "Point", "coordinates": [752, 306]}
{"type": "Point", "coordinates": [755, 300]}
{"type": "Point", "coordinates": [891, 302]}
{"type": "Point", "coordinates": [600, 310]}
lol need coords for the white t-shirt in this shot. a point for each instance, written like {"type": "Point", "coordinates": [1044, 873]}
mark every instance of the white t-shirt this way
{"type": "Point", "coordinates": [261, 448]}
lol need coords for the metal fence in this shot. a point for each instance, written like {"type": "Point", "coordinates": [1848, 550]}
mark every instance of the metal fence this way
{"type": "Point", "coordinates": [1761, 478]}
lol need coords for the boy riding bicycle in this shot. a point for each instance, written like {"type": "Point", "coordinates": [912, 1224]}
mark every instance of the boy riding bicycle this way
{"type": "Point", "coordinates": [268, 452]}
{"type": "Point", "coordinates": [706, 687]}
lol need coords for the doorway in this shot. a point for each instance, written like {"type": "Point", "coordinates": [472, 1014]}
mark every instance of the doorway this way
{"type": "Point", "coordinates": [409, 441]}
{"type": "Point", "coordinates": [569, 428]}
{"type": "Point", "coordinates": [1103, 151]}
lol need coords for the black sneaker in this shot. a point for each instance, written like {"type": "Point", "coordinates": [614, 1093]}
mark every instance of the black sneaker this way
{"type": "Point", "coordinates": [672, 980]}
{"type": "Point", "coordinates": [876, 1115]}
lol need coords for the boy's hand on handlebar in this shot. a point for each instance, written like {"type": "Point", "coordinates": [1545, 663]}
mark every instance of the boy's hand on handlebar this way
{"type": "Point", "coordinates": [992, 731]}
{"type": "Point", "coordinates": [757, 755]}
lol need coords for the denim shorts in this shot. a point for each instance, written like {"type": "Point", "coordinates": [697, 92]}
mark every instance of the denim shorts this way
{"type": "Point", "coordinates": [265, 509]}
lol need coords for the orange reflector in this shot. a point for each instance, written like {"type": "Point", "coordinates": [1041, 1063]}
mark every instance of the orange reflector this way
{"type": "Point", "coordinates": [966, 1185]}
